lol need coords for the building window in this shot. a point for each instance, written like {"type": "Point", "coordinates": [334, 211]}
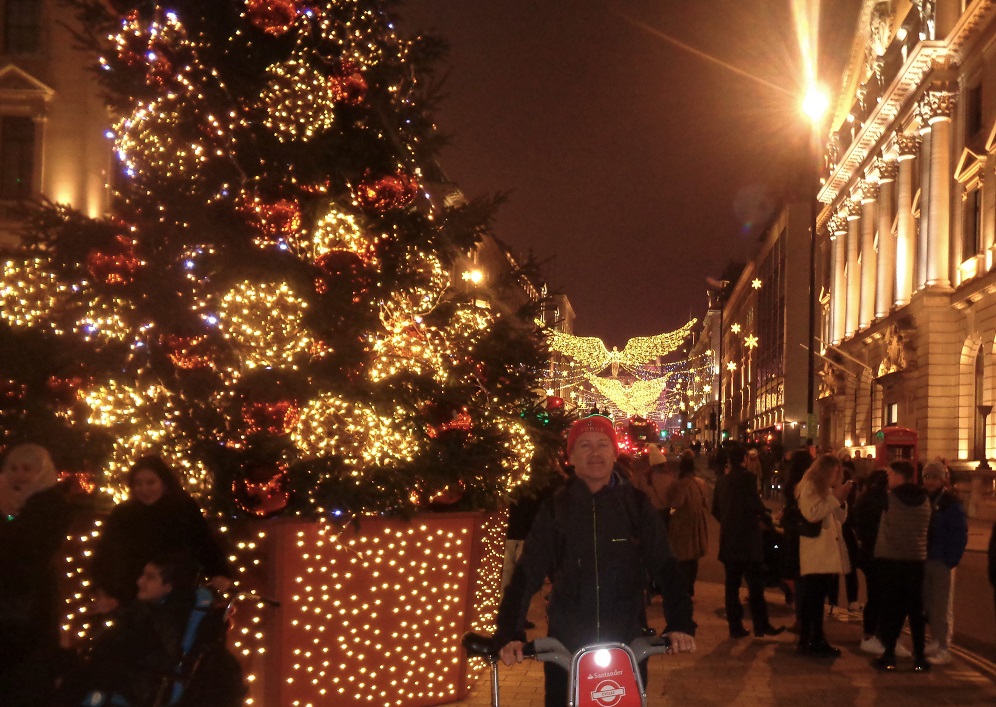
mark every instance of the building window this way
{"type": "Point", "coordinates": [973, 111]}
{"type": "Point", "coordinates": [971, 227]}
{"type": "Point", "coordinates": [21, 26]}
{"type": "Point", "coordinates": [17, 156]}
{"type": "Point", "coordinates": [891, 414]}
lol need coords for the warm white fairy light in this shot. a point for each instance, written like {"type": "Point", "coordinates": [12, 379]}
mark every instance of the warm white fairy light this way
{"type": "Point", "coordinates": [265, 321]}
{"type": "Point", "coordinates": [29, 290]}
{"type": "Point", "coordinates": [296, 101]}
{"type": "Point", "coordinates": [329, 425]}
{"type": "Point", "coordinates": [336, 230]}
{"type": "Point", "coordinates": [405, 306]}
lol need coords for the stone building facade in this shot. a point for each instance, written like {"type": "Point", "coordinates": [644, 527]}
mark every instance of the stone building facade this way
{"type": "Point", "coordinates": [906, 278]}
{"type": "Point", "coordinates": [53, 122]}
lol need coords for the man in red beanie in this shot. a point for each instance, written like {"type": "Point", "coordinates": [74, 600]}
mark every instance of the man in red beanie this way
{"type": "Point", "coordinates": [598, 537]}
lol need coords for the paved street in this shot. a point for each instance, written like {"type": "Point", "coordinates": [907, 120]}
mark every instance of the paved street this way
{"type": "Point", "coordinates": [767, 671]}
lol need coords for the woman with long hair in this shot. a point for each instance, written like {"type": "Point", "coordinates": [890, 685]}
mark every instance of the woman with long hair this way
{"type": "Point", "coordinates": [822, 499]}
{"type": "Point", "coordinates": [158, 518]}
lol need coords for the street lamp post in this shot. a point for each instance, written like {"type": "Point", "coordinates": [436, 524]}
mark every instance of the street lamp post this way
{"type": "Point", "coordinates": [814, 105]}
{"type": "Point", "coordinates": [719, 287]}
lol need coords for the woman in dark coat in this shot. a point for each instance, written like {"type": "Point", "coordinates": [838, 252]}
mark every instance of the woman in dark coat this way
{"type": "Point", "coordinates": [32, 530]}
{"type": "Point", "coordinates": [688, 530]}
{"type": "Point", "coordinates": [159, 518]}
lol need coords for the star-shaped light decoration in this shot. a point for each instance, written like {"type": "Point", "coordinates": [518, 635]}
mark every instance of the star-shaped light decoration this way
{"type": "Point", "coordinates": [750, 341]}
{"type": "Point", "coordinates": [707, 388]}
{"type": "Point", "coordinates": [731, 366]}
{"type": "Point", "coordinates": [735, 328]}
{"type": "Point", "coordinates": [756, 284]}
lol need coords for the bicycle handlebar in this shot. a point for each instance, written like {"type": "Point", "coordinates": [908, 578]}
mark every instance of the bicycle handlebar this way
{"type": "Point", "coordinates": [551, 650]}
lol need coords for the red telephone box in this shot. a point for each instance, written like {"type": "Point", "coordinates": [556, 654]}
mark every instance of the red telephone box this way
{"type": "Point", "coordinates": [896, 443]}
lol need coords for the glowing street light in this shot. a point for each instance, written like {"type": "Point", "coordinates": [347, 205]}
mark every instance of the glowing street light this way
{"type": "Point", "coordinates": [815, 104]}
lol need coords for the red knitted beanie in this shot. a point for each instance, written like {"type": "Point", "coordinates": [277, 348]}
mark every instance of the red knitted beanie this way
{"type": "Point", "coordinates": [595, 423]}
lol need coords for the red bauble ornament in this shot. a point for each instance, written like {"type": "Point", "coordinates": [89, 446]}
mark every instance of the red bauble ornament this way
{"type": "Point", "coordinates": [272, 16]}
{"type": "Point", "coordinates": [447, 497]}
{"type": "Point", "coordinates": [78, 483]}
{"type": "Point", "coordinates": [391, 192]}
{"type": "Point", "coordinates": [554, 403]}
{"type": "Point", "coordinates": [460, 420]}
{"type": "Point", "coordinates": [348, 86]}
{"type": "Point", "coordinates": [270, 418]}
{"type": "Point", "coordinates": [12, 393]}
{"type": "Point", "coordinates": [64, 390]}
{"type": "Point", "coordinates": [116, 265]}
{"type": "Point", "coordinates": [342, 271]}
{"type": "Point", "coordinates": [160, 71]}
{"type": "Point", "coordinates": [263, 490]}
{"type": "Point", "coordinates": [276, 220]}
{"type": "Point", "coordinates": [189, 352]}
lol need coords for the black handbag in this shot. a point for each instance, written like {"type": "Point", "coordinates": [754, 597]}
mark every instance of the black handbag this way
{"type": "Point", "coordinates": [794, 522]}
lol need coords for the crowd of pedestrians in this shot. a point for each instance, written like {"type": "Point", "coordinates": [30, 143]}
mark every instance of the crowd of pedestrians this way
{"type": "Point", "coordinates": [906, 532]}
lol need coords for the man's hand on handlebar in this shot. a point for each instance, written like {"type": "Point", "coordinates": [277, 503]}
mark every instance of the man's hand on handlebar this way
{"type": "Point", "coordinates": [511, 652]}
{"type": "Point", "coordinates": [681, 642]}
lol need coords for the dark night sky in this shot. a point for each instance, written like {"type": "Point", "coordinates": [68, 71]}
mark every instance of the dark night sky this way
{"type": "Point", "coordinates": [637, 165]}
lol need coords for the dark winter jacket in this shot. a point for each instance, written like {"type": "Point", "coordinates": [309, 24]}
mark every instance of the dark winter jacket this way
{"type": "Point", "coordinates": [867, 515]}
{"type": "Point", "coordinates": [737, 506]}
{"type": "Point", "coordinates": [136, 533]}
{"type": "Point", "coordinates": [947, 536]}
{"type": "Point", "coordinates": [902, 533]}
{"type": "Point", "coordinates": [597, 549]}
{"type": "Point", "coordinates": [29, 597]}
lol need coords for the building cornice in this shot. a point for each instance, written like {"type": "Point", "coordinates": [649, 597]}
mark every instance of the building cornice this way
{"type": "Point", "coordinates": [927, 57]}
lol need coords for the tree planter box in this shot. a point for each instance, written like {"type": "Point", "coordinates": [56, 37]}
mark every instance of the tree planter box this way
{"type": "Point", "coordinates": [371, 614]}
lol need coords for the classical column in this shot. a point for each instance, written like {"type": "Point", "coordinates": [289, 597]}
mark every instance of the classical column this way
{"type": "Point", "coordinates": [920, 277]}
{"type": "Point", "coordinates": [908, 144]}
{"type": "Point", "coordinates": [838, 295]}
{"type": "Point", "coordinates": [886, 280]}
{"type": "Point", "coordinates": [853, 267]}
{"type": "Point", "coordinates": [869, 268]}
{"type": "Point", "coordinates": [937, 106]}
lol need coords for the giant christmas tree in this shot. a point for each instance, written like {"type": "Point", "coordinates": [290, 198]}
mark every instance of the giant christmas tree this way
{"type": "Point", "coordinates": [269, 305]}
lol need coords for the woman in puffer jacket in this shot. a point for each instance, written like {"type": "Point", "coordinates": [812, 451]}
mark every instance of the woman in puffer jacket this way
{"type": "Point", "coordinates": [822, 499]}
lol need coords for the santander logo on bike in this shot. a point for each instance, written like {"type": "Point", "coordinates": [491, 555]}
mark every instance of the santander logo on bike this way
{"type": "Point", "coordinates": [606, 678]}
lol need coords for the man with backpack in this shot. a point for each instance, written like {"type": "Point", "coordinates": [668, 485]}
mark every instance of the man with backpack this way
{"type": "Point", "coordinates": [597, 539]}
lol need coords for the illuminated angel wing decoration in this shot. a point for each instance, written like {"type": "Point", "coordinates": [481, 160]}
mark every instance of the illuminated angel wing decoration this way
{"type": "Point", "coordinates": [639, 398]}
{"type": "Point", "coordinates": [587, 351]}
{"type": "Point", "coordinates": [644, 349]}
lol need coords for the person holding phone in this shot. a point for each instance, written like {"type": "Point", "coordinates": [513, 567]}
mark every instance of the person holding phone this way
{"type": "Point", "coordinates": [822, 496]}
